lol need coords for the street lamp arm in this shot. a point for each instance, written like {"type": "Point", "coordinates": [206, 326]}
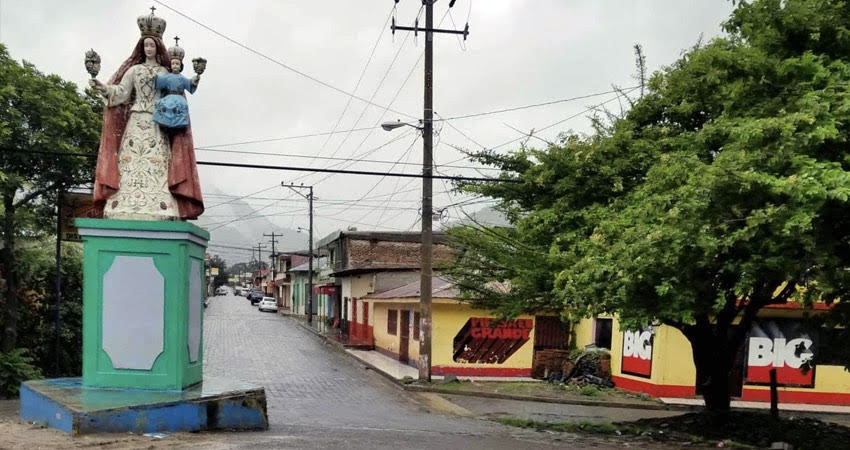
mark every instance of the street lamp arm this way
{"type": "Point", "coordinates": [389, 126]}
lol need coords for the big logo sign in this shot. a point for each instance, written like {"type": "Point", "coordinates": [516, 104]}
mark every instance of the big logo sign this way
{"type": "Point", "coordinates": [637, 352]}
{"type": "Point", "coordinates": [776, 344]}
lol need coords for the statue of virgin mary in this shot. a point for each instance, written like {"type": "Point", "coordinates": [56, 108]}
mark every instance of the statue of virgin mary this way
{"type": "Point", "coordinates": [144, 172]}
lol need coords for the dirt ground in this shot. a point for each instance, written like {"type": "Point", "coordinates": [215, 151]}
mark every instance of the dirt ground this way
{"type": "Point", "coordinates": [15, 434]}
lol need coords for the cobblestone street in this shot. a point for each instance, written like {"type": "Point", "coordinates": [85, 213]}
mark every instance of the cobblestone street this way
{"type": "Point", "coordinates": [318, 397]}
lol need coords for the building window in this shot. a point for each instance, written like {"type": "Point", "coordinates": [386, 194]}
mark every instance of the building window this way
{"type": "Point", "coordinates": [602, 335]}
{"type": "Point", "coordinates": [416, 318]}
{"type": "Point", "coordinates": [392, 322]}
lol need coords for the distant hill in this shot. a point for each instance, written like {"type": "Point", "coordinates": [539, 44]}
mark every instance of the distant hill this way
{"type": "Point", "coordinates": [244, 231]}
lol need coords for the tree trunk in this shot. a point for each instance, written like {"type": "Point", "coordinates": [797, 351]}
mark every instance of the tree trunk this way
{"type": "Point", "coordinates": [713, 353]}
{"type": "Point", "coordinates": [7, 260]}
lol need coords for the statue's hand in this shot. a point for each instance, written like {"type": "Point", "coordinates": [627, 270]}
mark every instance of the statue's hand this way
{"type": "Point", "coordinates": [98, 85]}
{"type": "Point", "coordinates": [196, 79]}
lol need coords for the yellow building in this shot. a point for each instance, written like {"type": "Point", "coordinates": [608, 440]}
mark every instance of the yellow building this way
{"type": "Point", "coordinates": [659, 361]}
{"type": "Point", "coordinates": [465, 341]}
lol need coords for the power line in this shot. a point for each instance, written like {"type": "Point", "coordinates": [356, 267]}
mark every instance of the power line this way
{"type": "Point", "coordinates": [366, 153]}
{"type": "Point", "coordinates": [318, 200]}
{"type": "Point", "coordinates": [586, 110]}
{"type": "Point", "coordinates": [240, 198]}
{"type": "Point", "coordinates": [287, 138]}
{"type": "Point", "coordinates": [440, 119]}
{"type": "Point", "coordinates": [275, 61]}
{"type": "Point", "coordinates": [296, 168]}
{"type": "Point", "coordinates": [404, 155]}
{"type": "Point", "coordinates": [354, 172]}
{"type": "Point", "coordinates": [535, 105]}
{"type": "Point", "coordinates": [360, 79]}
{"type": "Point", "coordinates": [374, 93]}
{"type": "Point", "coordinates": [291, 155]}
{"type": "Point", "coordinates": [398, 92]}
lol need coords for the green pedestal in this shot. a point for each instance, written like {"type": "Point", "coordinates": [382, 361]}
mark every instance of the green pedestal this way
{"type": "Point", "coordinates": [143, 288]}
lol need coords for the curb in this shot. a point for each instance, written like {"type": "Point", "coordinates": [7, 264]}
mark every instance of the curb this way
{"type": "Point", "coordinates": [493, 395]}
{"type": "Point", "coordinates": [563, 401]}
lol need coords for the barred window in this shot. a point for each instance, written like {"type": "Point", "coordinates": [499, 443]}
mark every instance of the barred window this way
{"type": "Point", "coordinates": [392, 322]}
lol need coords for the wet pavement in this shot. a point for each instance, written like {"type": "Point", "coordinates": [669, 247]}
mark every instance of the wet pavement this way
{"type": "Point", "coordinates": [318, 397]}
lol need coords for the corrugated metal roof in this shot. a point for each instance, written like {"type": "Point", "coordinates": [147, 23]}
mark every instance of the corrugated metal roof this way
{"type": "Point", "coordinates": [440, 288]}
{"type": "Point", "coordinates": [318, 264]}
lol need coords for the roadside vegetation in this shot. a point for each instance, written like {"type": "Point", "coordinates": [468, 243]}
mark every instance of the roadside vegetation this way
{"type": "Point", "coordinates": [744, 430]}
{"type": "Point", "coordinates": [722, 187]}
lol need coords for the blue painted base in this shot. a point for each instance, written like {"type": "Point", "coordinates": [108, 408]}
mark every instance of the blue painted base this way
{"type": "Point", "coordinates": [64, 404]}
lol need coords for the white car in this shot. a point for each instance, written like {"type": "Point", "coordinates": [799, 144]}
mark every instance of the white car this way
{"type": "Point", "coordinates": [268, 304]}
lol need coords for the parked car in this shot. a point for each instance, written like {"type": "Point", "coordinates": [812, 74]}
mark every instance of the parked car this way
{"type": "Point", "coordinates": [221, 291]}
{"type": "Point", "coordinates": [239, 292]}
{"type": "Point", "coordinates": [268, 304]}
{"type": "Point", "coordinates": [255, 296]}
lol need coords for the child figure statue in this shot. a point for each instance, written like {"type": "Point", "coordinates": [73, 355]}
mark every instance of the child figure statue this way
{"type": "Point", "coordinates": [171, 110]}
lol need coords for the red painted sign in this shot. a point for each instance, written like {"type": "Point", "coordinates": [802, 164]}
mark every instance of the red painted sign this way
{"type": "Point", "coordinates": [485, 340]}
{"type": "Point", "coordinates": [779, 345]}
{"type": "Point", "coordinates": [637, 352]}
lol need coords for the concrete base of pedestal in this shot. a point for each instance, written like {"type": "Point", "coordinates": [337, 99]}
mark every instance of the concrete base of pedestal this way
{"type": "Point", "coordinates": [64, 404]}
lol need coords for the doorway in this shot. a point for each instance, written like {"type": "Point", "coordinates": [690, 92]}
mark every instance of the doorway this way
{"type": "Point", "coordinates": [404, 337]}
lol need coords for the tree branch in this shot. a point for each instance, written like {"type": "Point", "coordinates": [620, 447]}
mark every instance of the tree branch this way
{"type": "Point", "coordinates": [32, 195]}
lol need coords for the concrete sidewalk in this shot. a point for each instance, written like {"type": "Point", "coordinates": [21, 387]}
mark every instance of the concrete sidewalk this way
{"type": "Point", "coordinates": [395, 370]}
{"type": "Point", "coordinates": [399, 370]}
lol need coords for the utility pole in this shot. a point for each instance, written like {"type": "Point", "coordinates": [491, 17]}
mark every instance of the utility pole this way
{"type": "Point", "coordinates": [309, 197]}
{"type": "Point", "coordinates": [427, 181]}
{"type": "Point", "coordinates": [274, 257]}
{"type": "Point", "coordinates": [260, 246]}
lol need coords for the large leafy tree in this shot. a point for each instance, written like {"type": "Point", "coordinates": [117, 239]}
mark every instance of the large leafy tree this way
{"type": "Point", "coordinates": [724, 189]}
{"type": "Point", "coordinates": [42, 117]}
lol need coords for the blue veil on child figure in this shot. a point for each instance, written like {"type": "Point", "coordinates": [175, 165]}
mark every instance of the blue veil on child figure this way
{"type": "Point", "coordinates": [171, 110]}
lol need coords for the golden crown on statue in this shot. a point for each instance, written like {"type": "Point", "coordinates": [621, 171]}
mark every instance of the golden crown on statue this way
{"type": "Point", "coordinates": [176, 52]}
{"type": "Point", "coordinates": [150, 25]}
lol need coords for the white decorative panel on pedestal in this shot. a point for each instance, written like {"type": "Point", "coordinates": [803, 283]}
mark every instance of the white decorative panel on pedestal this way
{"type": "Point", "coordinates": [196, 304]}
{"type": "Point", "coordinates": [133, 308]}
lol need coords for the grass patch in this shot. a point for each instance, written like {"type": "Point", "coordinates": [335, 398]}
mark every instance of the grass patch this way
{"type": "Point", "coordinates": [573, 427]}
{"type": "Point", "coordinates": [742, 429]}
{"type": "Point", "coordinates": [543, 389]}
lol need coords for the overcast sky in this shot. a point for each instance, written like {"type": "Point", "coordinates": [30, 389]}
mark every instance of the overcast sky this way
{"type": "Point", "coordinates": [519, 52]}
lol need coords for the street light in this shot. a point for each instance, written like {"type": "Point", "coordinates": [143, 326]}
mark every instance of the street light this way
{"type": "Point", "coordinates": [389, 126]}
{"type": "Point", "coordinates": [426, 127]}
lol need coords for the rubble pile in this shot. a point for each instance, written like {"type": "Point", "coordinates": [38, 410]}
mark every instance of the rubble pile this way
{"type": "Point", "coordinates": [584, 368]}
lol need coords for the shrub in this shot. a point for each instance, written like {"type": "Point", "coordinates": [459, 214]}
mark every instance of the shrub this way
{"type": "Point", "coordinates": [16, 367]}
{"type": "Point", "coordinates": [590, 390]}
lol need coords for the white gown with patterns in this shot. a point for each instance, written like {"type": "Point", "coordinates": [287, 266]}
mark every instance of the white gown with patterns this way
{"type": "Point", "coordinates": [144, 157]}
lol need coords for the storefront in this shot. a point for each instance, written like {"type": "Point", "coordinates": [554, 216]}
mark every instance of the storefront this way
{"type": "Point", "coordinates": [659, 362]}
{"type": "Point", "coordinates": [465, 341]}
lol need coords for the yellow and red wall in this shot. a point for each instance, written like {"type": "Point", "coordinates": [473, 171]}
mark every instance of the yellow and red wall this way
{"type": "Point", "coordinates": [659, 362]}
{"type": "Point", "coordinates": [453, 321]}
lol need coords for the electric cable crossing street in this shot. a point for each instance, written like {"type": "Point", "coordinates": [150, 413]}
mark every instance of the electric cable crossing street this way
{"type": "Point", "coordinates": [296, 188]}
{"type": "Point", "coordinates": [427, 180]}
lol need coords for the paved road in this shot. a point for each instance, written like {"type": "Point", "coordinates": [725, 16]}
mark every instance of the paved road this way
{"type": "Point", "coordinates": [320, 398]}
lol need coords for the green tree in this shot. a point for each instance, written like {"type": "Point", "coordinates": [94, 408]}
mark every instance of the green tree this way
{"type": "Point", "coordinates": [38, 113]}
{"type": "Point", "coordinates": [219, 263]}
{"type": "Point", "coordinates": [723, 190]}
{"type": "Point", "coordinates": [36, 327]}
